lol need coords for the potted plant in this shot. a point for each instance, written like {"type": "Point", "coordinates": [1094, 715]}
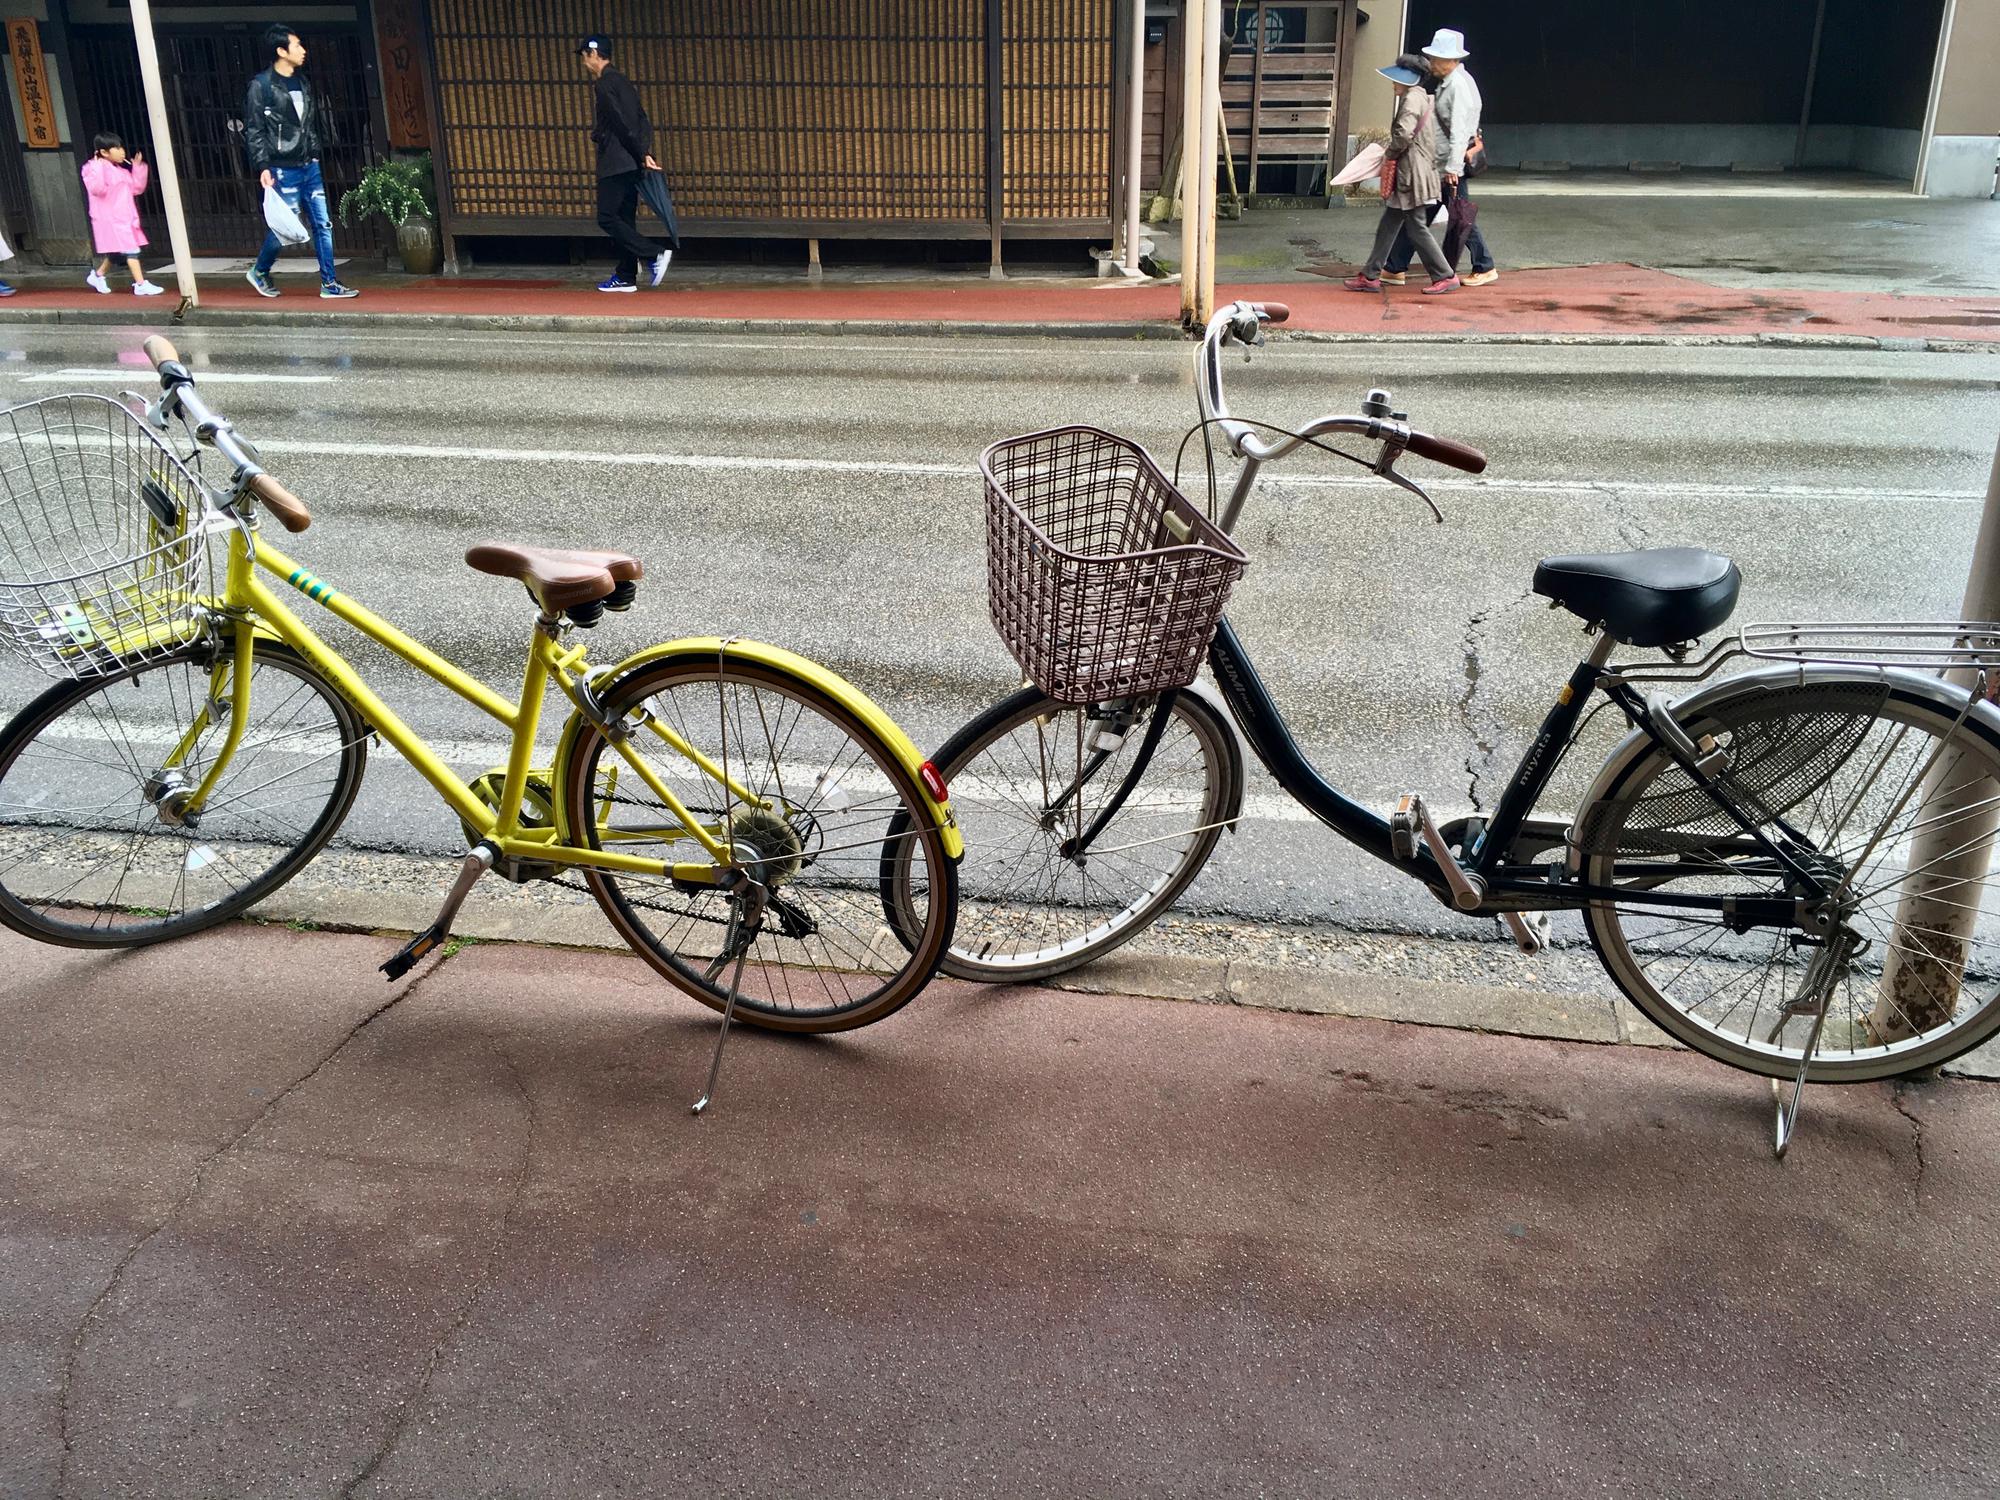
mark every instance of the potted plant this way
{"type": "Point", "coordinates": [399, 188]}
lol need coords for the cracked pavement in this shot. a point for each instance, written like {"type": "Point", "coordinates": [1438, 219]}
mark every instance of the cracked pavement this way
{"type": "Point", "coordinates": [329, 1238]}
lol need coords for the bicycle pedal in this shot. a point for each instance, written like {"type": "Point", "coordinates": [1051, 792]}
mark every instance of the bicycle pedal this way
{"type": "Point", "coordinates": [412, 953]}
{"type": "Point", "coordinates": [1405, 826]}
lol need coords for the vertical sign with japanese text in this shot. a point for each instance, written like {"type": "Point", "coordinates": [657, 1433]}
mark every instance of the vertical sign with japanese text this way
{"type": "Point", "coordinates": [399, 39]}
{"type": "Point", "coordinates": [38, 110]}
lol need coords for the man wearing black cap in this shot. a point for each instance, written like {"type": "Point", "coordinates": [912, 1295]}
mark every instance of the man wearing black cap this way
{"type": "Point", "coordinates": [624, 138]}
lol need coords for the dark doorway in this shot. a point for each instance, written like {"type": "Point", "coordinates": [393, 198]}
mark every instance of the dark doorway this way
{"type": "Point", "coordinates": [206, 72]}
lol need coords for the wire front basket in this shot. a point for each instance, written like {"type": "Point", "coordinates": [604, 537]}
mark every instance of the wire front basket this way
{"type": "Point", "coordinates": [103, 538]}
{"type": "Point", "coordinates": [1103, 580]}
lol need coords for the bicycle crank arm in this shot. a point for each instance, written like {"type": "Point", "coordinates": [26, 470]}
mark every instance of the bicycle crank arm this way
{"type": "Point", "coordinates": [475, 864]}
{"type": "Point", "coordinates": [1411, 822]}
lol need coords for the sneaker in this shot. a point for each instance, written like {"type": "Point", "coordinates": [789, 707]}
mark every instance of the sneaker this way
{"type": "Point", "coordinates": [660, 263]}
{"type": "Point", "coordinates": [146, 289]}
{"type": "Point", "coordinates": [97, 283]}
{"type": "Point", "coordinates": [260, 281]}
{"type": "Point", "coordinates": [6, 290]}
{"type": "Point", "coordinates": [1363, 284]}
{"type": "Point", "coordinates": [1393, 278]}
{"type": "Point", "coordinates": [335, 289]}
{"type": "Point", "coordinates": [615, 285]}
{"type": "Point", "coordinates": [1481, 278]}
{"type": "Point", "coordinates": [1439, 288]}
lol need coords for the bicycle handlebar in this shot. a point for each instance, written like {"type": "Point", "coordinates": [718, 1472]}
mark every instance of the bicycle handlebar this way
{"type": "Point", "coordinates": [177, 382]}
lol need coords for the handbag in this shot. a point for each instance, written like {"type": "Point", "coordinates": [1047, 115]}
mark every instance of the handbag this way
{"type": "Point", "coordinates": [1475, 155]}
{"type": "Point", "coordinates": [283, 219]}
{"type": "Point", "coordinates": [1389, 162]}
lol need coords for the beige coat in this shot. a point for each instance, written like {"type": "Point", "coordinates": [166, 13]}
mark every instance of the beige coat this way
{"type": "Point", "coordinates": [1415, 152]}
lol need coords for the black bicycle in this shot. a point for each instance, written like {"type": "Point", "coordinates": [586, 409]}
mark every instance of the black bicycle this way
{"type": "Point", "coordinates": [1789, 868]}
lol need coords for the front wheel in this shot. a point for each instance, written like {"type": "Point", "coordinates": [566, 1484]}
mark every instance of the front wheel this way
{"type": "Point", "coordinates": [816, 791]}
{"type": "Point", "coordinates": [98, 845]}
{"type": "Point", "coordinates": [1880, 791]}
{"type": "Point", "coordinates": [1029, 777]}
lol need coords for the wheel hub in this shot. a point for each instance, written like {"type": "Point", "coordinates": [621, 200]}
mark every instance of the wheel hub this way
{"type": "Point", "coordinates": [779, 852]}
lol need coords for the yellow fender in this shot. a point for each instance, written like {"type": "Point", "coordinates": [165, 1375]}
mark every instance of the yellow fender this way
{"type": "Point", "coordinates": [843, 692]}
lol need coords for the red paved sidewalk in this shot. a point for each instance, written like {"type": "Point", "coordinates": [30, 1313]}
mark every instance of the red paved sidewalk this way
{"type": "Point", "coordinates": [1590, 300]}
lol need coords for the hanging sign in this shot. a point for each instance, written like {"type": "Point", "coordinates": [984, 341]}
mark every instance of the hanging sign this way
{"type": "Point", "coordinates": [38, 111]}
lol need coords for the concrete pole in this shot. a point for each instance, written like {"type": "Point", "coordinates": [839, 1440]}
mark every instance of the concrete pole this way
{"type": "Point", "coordinates": [1135, 123]}
{"type": "Point", "coordinates": [1211, 128]}
{"type": "Point", "coordinates": [1194, 28]}
{"type": "Point", "coordinates": [163, 152]}
{"type": "Point", "coordinates": [1953, 850]}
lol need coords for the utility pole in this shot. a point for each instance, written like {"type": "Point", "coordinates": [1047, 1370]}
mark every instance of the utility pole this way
{"type": "Point", "coordinates": [1952, 853]}
{"type": "Point", "coordinates": [163, 153]}
{"type": "Point", "coordinates": [1211, 127]}
{"type": "Point", "coordinates": [1194, 34]}
{"type": "Point", "coordinates": [1134, 132]}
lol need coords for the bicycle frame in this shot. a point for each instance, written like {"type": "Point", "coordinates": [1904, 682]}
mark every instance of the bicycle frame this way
{"type": "Point", "coordinates": [248, 606]}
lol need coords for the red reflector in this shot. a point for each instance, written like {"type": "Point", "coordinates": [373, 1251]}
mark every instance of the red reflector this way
{"type": "Point", "coordinates": [933, 782]}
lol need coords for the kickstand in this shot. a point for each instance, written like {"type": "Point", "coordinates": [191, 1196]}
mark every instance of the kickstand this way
{"type": "Point", "coordinates": [1814, 996]}
{"type": "Point", "coordinates": [746, 916]}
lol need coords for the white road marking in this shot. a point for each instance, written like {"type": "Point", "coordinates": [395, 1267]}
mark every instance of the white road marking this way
{"type": "Point", "coordinates": [143, 374]}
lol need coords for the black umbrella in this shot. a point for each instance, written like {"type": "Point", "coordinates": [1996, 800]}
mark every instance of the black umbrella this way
{"type": "Point", "coordinates": [653, 189]}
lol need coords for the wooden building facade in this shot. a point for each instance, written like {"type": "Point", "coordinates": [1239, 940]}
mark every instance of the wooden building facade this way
{"type": "Point", "coordinates": [911, 119]}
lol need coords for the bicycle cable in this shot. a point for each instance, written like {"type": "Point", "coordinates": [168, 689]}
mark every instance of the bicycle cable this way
{"type": "Point", "coordinates": [1208, 452]}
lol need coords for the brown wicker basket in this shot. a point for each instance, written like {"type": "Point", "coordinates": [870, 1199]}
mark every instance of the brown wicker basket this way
{"type": "Point", "coordinates": [1103, 580]}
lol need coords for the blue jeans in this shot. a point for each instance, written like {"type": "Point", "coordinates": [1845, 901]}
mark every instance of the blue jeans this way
{"type": "Point", "coordinates": [1475, 242]}
{"type": "Point", "coordinates": [303, 188]}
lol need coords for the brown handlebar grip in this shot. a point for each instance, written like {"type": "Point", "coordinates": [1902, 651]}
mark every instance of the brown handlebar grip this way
{"type": "Point", "coordinates": [1445, 451]}
{"type": "Point", "coordinates": [1273, 312]}
{"type": "Point", "coordinates": [288, 508]}
{"type": "Point", "coordinates": [159, 350]}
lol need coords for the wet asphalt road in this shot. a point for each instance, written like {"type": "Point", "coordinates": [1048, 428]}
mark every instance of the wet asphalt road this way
{"type": "Point", "coordinates": [819, 491]}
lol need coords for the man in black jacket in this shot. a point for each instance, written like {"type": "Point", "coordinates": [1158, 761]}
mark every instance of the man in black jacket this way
{"type": "Point", "coordinates": [624, 138]}
{"type": "Point", "coordinates": [284, 130]}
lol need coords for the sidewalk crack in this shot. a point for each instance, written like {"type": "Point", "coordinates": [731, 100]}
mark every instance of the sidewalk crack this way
{"type": "Point", "coordinates": [1898, 1093]}
{"type": "Point", "coordinates": [517, 1192]}
{"type": "Point", "coordinates": [94, 1313]}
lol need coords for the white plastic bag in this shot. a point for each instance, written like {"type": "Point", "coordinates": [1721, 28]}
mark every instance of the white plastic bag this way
{"type": "Point", "coordinates": [284, 222]}
{"type": "Point", "coordinates": [1442, 216]}
{"type": "Point", "coordinates": [6, 250]}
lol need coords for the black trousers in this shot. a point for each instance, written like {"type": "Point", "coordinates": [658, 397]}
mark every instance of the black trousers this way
{"type": "Point", "coordinates": [617, 216]}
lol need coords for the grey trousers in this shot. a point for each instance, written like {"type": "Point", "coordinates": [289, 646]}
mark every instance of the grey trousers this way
{"type": "Point", "coordinates": [1417, 223]}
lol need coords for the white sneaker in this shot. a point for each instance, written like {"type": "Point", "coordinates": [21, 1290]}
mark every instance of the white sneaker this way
{"type": "Point", "coordinates": [146, 289]}
{"type": "Point", "coordinates": [660, 264]}
{"type": "Point", "coordinates": [97, 283]}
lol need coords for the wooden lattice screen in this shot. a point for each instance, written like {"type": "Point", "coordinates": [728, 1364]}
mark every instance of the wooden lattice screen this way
{"type": "Point", "coordinates": [859, 117]}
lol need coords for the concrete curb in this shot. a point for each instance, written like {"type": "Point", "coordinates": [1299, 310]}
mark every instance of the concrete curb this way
{"type": "Point", "coordinates": [394, 895]}
{"type": "Point", "coordinates": [1149, 329]}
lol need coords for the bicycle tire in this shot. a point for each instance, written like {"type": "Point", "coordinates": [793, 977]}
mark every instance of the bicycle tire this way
{"type": "Point", "coordinates": [838, 976]}
{"type": "Point", "coordinates": [1015, 885]}
{"type": "Point", "coordinates": [1829, 754]}
{"type": "Point", "coordinates": [131, 876]}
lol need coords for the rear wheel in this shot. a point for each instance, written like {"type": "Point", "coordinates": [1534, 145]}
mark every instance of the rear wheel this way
{"type": "Point", "coordinates": [1032, 904]}
{"type": "Point", "coordinates": [822, 791]}
{"type": "Point", "coordinates": [96, 850]}
{"type": "Point", "coordinates": [1871, 786]}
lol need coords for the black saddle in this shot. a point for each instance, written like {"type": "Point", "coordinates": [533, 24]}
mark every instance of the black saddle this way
{"type": "Point", "coordinates": [1656, 597]}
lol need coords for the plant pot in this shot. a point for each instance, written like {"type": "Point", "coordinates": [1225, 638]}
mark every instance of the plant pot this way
{"type": "Point", "coordinates": [418, 243]}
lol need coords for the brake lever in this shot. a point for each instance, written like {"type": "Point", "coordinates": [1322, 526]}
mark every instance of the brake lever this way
{"type": "Point", "coordinates": [1387, 469]}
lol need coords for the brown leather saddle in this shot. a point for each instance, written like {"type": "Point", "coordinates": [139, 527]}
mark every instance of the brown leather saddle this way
{"type": "Point", "coordinates": [559, 580]}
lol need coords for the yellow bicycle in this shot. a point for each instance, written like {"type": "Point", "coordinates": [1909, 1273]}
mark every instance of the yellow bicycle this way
{"type": "Point", "coordinates": [734, 808]}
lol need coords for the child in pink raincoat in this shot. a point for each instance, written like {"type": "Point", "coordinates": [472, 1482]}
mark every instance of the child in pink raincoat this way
{"type": "Point", "coordinates": [114, 188]}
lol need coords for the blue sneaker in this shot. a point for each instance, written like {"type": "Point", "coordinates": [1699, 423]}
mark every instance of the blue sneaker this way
{"type": "Point", "coordinates": [615, 285]}
{"type": "Point", "coordinates": [335, 289]}
{"type": "Point", "coordinates": [260, 281]}
{"type": "Point", "coordinates": [6, 290]}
